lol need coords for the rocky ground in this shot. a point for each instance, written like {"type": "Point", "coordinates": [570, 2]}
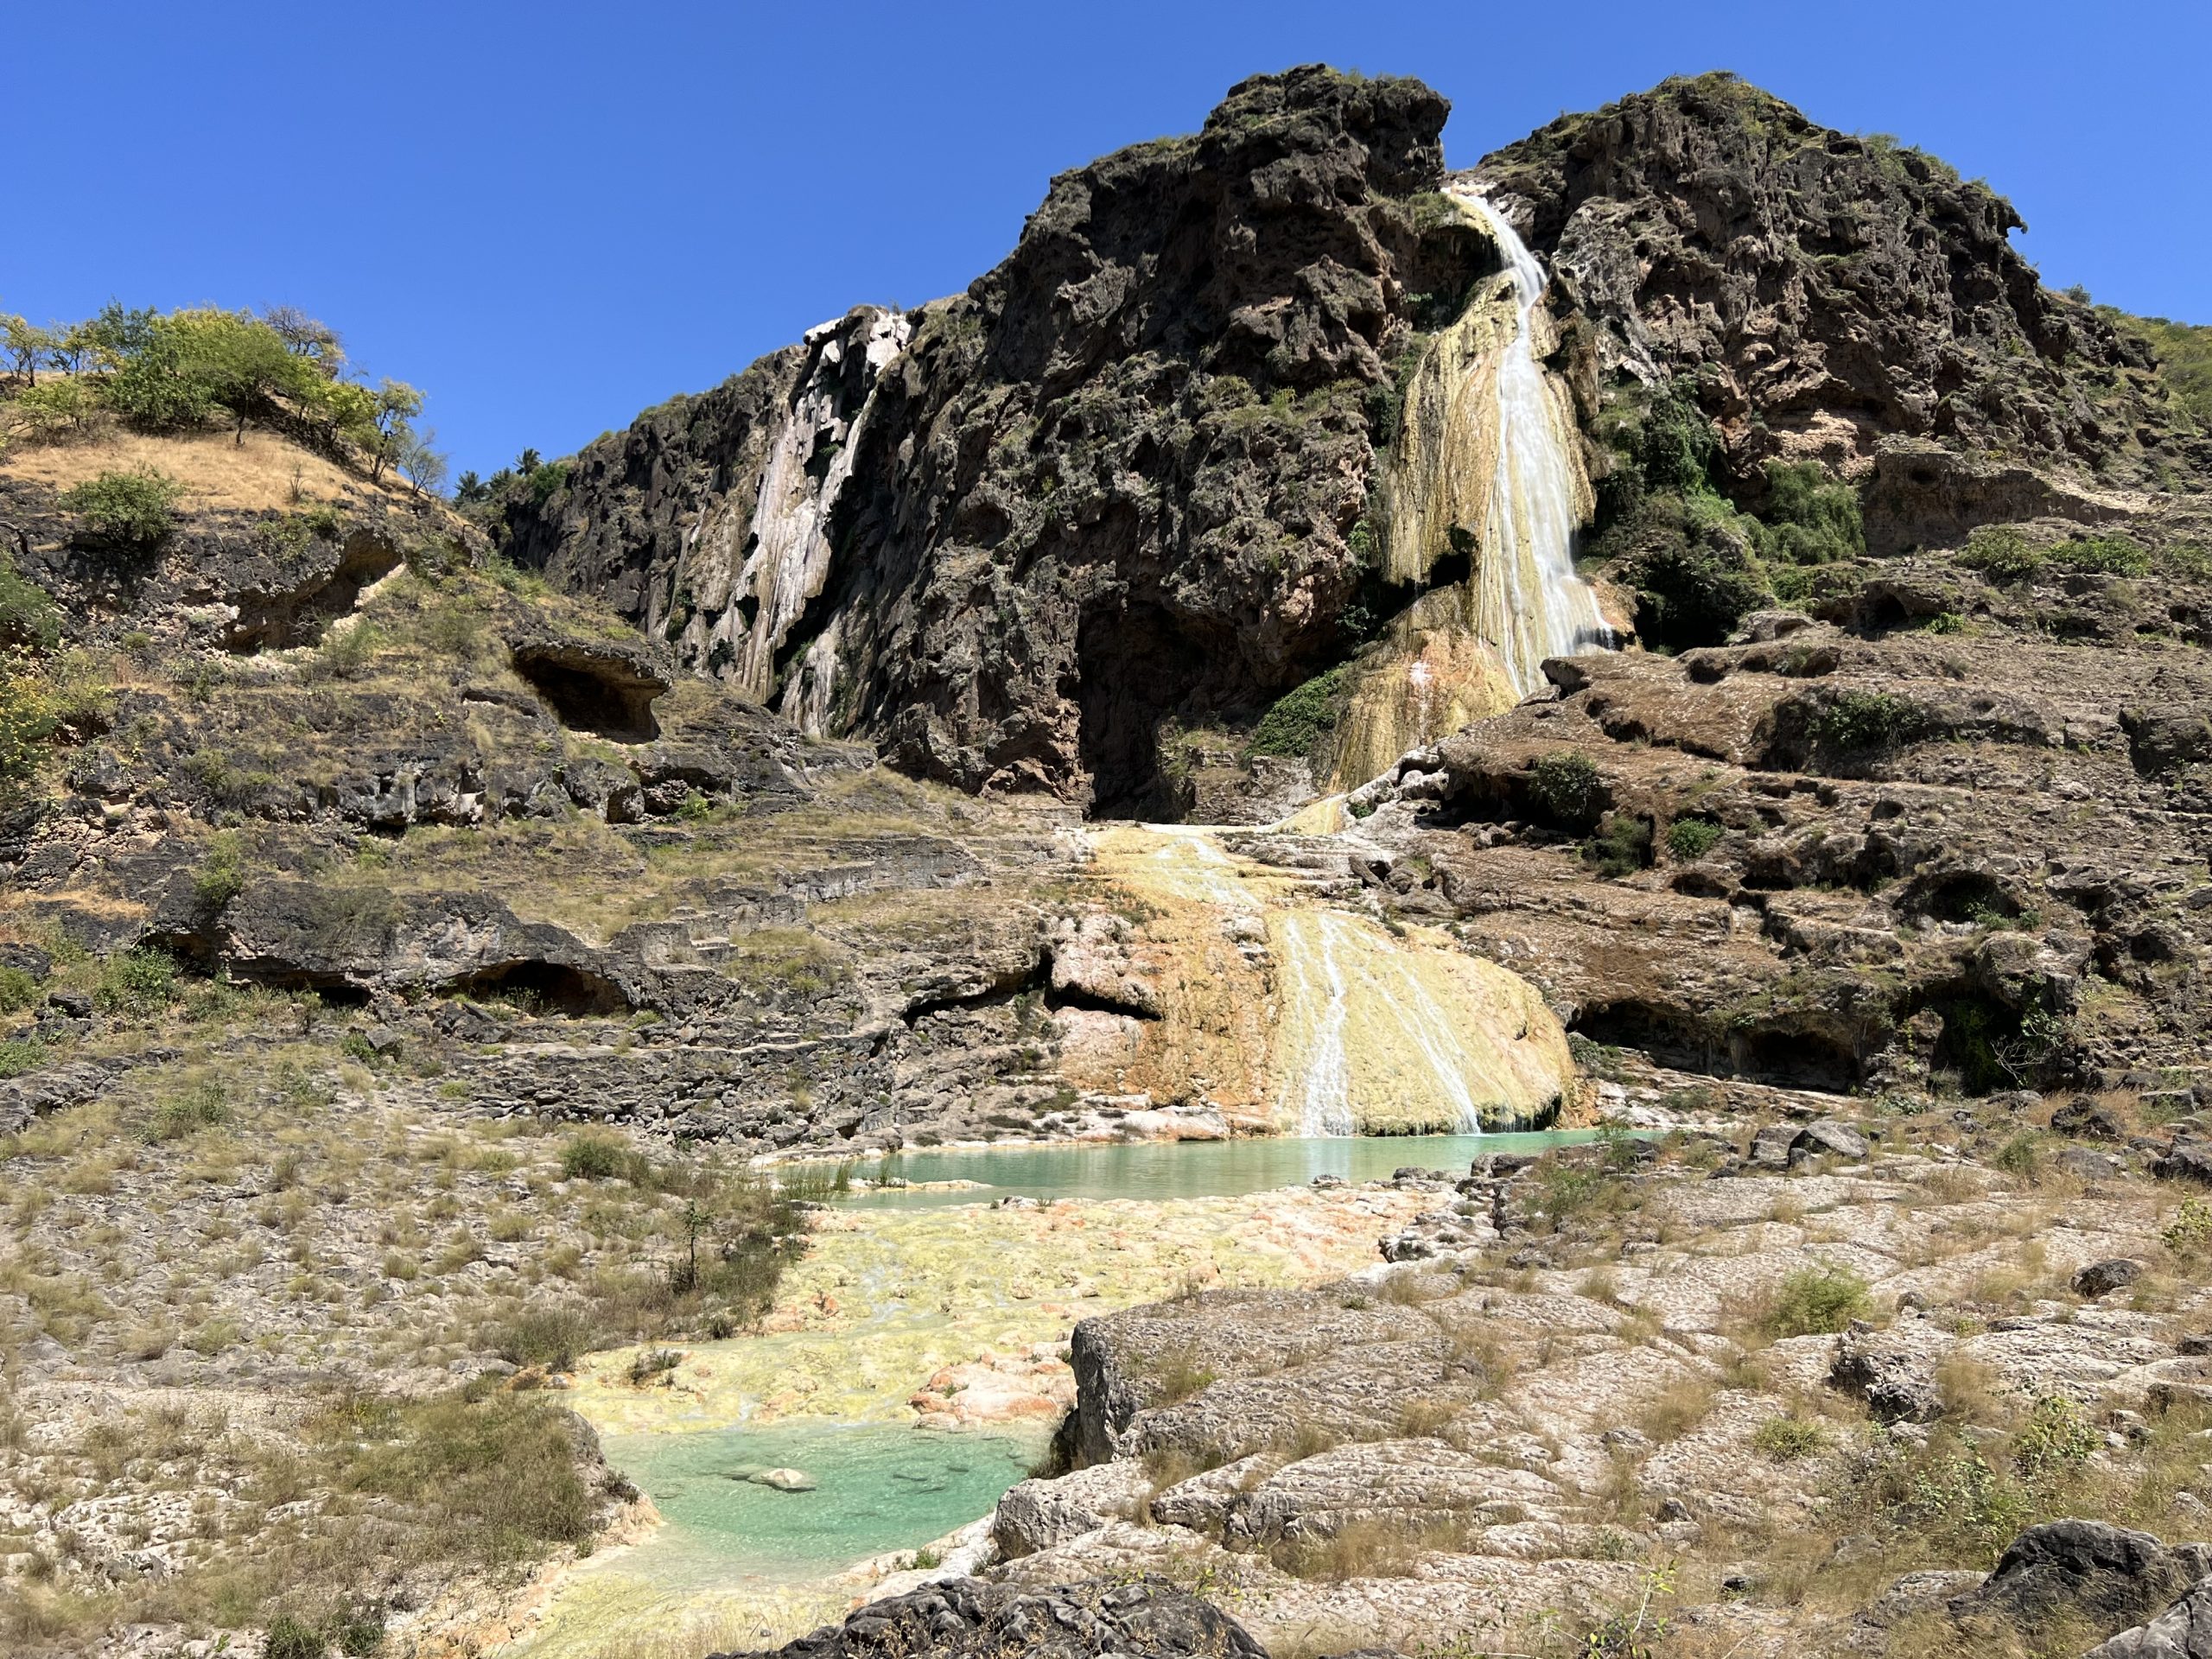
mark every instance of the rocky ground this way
{"type": "Point", "coordinates": [1909, 1385]}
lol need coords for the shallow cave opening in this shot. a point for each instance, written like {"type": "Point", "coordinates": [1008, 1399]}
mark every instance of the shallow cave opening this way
{"type": "Point", "coordinates": [1965, 896]}
{"type": "Point", "coordinates": [1788, 1059]}
{"type": "Point", "coordinates": [602, 695]}
{"type": "Point", "coordinates": [1135, 668]}
{"type": "Point", "coordinates": [544, 987]}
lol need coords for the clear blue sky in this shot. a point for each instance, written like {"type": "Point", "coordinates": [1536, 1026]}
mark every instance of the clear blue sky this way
{"type": "Point", "coordinates": [551, 215]}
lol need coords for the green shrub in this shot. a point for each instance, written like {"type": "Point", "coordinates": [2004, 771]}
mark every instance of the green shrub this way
{"type": "Point", "coordinates": [133, 510]}
{"type": "Point", "coordinates": [1816, 1301]}
{"type": "Point", "coordinates": [2001, 553]}
{"type": "Point", "coordinates": [1564, 786]}
{"type": "Point", "coordinates": [1811, 518]}
{"type": "Point", "coordinates": [547, 482]}
{"type": "Point", "coordinates": [2057, 1435]}
{"type": "Point", "coordinates": [2021, 1155]}
{"type": "Point", "coordinates": [1690, 839]}
{"type": "Point", "coordinates": [603, 1155]}
{"type": "Point", "coordinates": [548, 1334]}
{"type": "Point", "coordinates": [2190, 1230]}
{"type": "Point", "coordinates": [221, 875]}
{"type": "Point", "coordinates": [28, 617]}
{"type": "Point", "coordinates": [497, 1478]}
{"type": "Point", "coordinates": [138, 982]}
{"type": "Point", "coordinates": [1691, 563]}
{"type": "Point", "coordinates": [18, 991]}
{"type": "Point", "coordinates": [1294, 726]}
{"type": "Point", "coordinates": [201, 1106]}
{"type": "Point", "coordinates": [1621, 847]}
{"type": "Point", "coordinates": [2114, 556]}
{"type": "Point", "coordinates": [1859, 722]}
{"type": "Point", "coordinates": [19, 1059]}
{"type": "Point", "coordinates": [288, 1637]}
{"type": "Point", "coordinates": [60, 408]}
{"type": "Point", "coordinates": [1785, 1439]}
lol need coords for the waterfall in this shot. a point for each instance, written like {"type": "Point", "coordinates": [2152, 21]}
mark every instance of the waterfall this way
{"type": "Point", "coordinates": [1529, 603]}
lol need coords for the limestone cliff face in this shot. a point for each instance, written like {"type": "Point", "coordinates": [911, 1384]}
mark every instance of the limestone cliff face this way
{"type": "Point", "coordinates": [1074, 531]}
{"type": "Point", "coordinates": [1829, 291]}
{"type": "Point", "coordinates": [1120, 482]}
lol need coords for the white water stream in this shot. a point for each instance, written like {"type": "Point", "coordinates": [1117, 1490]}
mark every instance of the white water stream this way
{"type": "Point", "coordinates": [1529, 603]}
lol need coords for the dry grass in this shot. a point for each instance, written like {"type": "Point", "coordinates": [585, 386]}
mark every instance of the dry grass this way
{"type": "Point", "coordinates": [265, 473]}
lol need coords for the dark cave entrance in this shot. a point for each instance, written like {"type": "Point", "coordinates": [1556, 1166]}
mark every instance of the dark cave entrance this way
{"type": "Point", "coordinates": [587, 692]}
{"type": "Point", "coordinates": [1135, 669]}
{"type": "Point", "coordinates": [546, 987]}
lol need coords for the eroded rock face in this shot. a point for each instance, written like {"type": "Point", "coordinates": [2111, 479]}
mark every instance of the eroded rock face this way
{"type": "Point", "coordinates": [1117, 482]}
{"type": "Point", "coordinates": [1835, 290]}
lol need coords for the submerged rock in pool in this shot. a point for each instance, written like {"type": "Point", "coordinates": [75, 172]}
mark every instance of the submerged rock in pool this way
{"type": "Point", "coordinates": [784, 1480]}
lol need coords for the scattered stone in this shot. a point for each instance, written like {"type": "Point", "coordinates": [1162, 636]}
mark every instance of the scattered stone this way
{"type": "Point", "coordinates": [2187, 1160]}
{"type": "Point", "coordinates": [2101, 1278]}
{"type": "Point", "coordinates": [1828, 1139]}
{"type": "Point", "coordinates": [782, 1480]}
{"type": "Point", "coordinates": [2084, 1119]}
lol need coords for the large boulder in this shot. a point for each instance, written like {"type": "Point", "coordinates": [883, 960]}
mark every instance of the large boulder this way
{"type": "Point", "coordinates": [2086, 1567]}
{"type": "Point", "coordinates": [966, 1618]}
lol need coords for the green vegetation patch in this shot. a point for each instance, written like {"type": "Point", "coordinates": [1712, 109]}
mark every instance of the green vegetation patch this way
{"type": "Point", "coordinates": [1301, 718]}
{"type": "Point", "coordinates": [133, 511]}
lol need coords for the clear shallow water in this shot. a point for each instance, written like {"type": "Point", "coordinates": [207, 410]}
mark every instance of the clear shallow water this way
{"type": "Point", "coordinates": [1184, 1169]}
{"type": "Point", "coordinates": [881, 1488]}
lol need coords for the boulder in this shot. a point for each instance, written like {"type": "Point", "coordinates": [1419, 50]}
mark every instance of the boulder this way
{"type": "Point", "coordinates": [784, 1480]}
{"type": "Point", "coordinates": [2100, 1278]}
{"type": "Point", "coordinates": [2099, 1572]}
{"type": "Point", "coordinates": [1829, 1138]}
{"type": "Point", "coordinates": [2082, 1118]}
{"type": "Point", "coordinates": [1035, 1515]}
{"type": "Point", "coordinates": [968, 1618]}
{"type": "Point", "coordinates": [2189, 1159]}
{"type": "Point", "coordinates": [1894, 1370]}
{"type": "Point", "coordinates": [2183, 1632]}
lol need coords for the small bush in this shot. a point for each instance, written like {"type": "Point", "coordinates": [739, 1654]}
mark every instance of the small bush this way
{"type": "Point", "coordinates": [290, 1638]}
{"type": "Point", "coordinates": [603, 1155]}
{"type": "Point", "coordinates": [18, 989]}
{"type": "Point", "coordinates": [28, 617]}
{"type": "Point", "coordinates": [1294, 726]}
{"type": "Point", "coordinates": [1811, 518]}
{"type": "Point", "coordinates": [1622, 847]}
{"type": "Point", "coordinates": [138, 982]}
{"type": "Point", "coordinates": [1817, 1301]}
{"type": "Point", "coordinates": [2056, 1435]}
{"type": "Point", "coordinates": [221, 875]}
{"type": "Point", "coordinates": [1785, 1439]}
{"type": "Point", "coordinates": [1690, 839]}
{"type": "Point", "coordinates": [19, 1059]}
{"type": "Point", "coordinates": [1564, 786]}
{"type": "Point", "coordinates": [2112, 556]}
{"type": "Point", "coordinates": [133, 510]}
{"type": "Point", "coordinates": [2001, 553]}
{"type": "Point", "coordinates": [1860, 722]}
{"type": "Point", "coordinates": [654, 1363]}
{"type": "Point", "coordinates": [202, 1106]}
{"type": "Point", "coordinates": [2190, 1230]}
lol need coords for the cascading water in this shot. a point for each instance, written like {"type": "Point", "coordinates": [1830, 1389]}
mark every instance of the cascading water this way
{"type": "Point", "coordinates": [1529, 603]}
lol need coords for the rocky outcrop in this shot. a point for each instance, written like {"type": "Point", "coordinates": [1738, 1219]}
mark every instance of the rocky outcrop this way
{"type": "Point", "coordinates": [1830, 290]}
{"type": "Point", "coordinates": [2109, 1574]}
{"type": "Point", "coordinates": [966, 1618]}
{"type": "Point", "coordinates": [1118, 485]}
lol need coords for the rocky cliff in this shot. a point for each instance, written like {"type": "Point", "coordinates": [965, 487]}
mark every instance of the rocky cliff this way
{"type": "Point", "coordinates": [1080, 529]}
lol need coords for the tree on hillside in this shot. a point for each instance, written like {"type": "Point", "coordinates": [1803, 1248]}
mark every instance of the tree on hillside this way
{"type": "Point", "coordinates": [421, 459]}
{"type": "Point", "coordinates": [393, 405]}
{"type": "Point", "coordinates": [243, 362]}
{"type": "Point", "coordinates": [303, 336]}
{"type": "Point", "coordinates": [28, 344]}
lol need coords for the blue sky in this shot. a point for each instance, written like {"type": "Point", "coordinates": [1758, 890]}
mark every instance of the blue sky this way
{"type": "Point", "coordinates": [551, 215]}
